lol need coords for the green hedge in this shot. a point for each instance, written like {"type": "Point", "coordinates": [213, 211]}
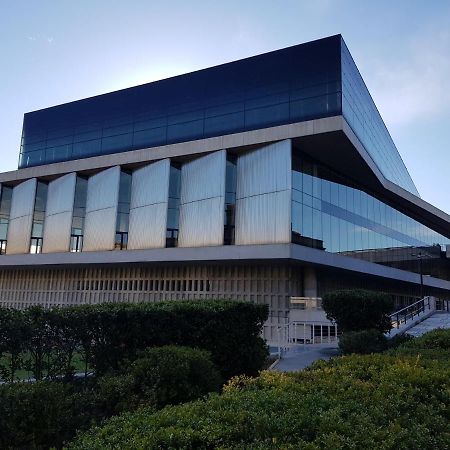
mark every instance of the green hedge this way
{"type": "Point", "coordinates": [363, 342]}
{"type": "Point", "coordinates": [358, 309]}
{"type": "Point", "coordinates": [49, 413]}
{"type": "Point", "coordinates": [380, 401]}
{"type": "Point", "coordinates": [109, 334]}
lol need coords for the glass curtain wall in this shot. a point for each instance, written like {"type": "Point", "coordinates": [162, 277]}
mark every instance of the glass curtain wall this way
{"type": "Point", "coordinates": [79, 213]}
{"type": "Point", "coordinates": [123, 211]}
{"type": "Point", "coordinates": [173, 211]}
{"type": "Point", "coordinates": [37, 231]}
{"type": "Point", "coordinates": [298, 83]}
{"type": "Point", "coordinates": [5, 208]}
{"type": "Point", "coordinates": [230, 199]}
{"type": "Point", "coordinates": [330, 214]}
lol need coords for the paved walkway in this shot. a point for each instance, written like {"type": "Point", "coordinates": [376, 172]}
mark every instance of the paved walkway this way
{"type": "Point", "coordinates": [298, 358]}
{"type": "Point", "coordinates": [437, 320]}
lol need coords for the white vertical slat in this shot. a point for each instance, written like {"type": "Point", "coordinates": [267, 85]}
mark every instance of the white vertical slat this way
{"type": "Point", "coordinates": [202, 204]}
{"type": "Point", "coordinates": [148, 206]}
{"type": "Point", "coordinates": [263, 195]}
{"type": "Point", "coordinates": [101, 210]}
{"type": "Point", "coordinates": [21, 217]}
{"type": "Point", "coordinates": [58, 214]}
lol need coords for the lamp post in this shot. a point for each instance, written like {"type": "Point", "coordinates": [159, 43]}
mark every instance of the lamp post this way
{"type": "Point", "coordinates": [419, 256]}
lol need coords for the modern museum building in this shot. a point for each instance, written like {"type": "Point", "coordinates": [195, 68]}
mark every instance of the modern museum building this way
{"type": "Point", "coordinates": [262, 179]}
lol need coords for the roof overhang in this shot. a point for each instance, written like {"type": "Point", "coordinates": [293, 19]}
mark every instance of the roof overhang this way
{"type": "Point", "coordinates": [232, 254]}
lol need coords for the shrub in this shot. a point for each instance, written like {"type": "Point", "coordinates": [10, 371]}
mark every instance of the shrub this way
{"type": "Point", "coordinates": [355, 310]}
{"type": "Point", "coordinates": [39, 415]}
{"type": "Point", "coordinates": [370, 401]}
{"type": "Point", "coordinates": [49, 413]}
{"type": "Point", "coordinates": [436, 339]}
{"type": "Point", "coordinates": [363, 342]}
{"type": "Point", "coordinates": [108, 334]}
{"type": "Point", "coordinates": [170, 375]}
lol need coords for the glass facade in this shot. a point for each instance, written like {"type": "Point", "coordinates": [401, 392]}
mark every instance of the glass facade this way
{"type": "Point", "coordinates": [173, 209]}
{"type": "Point", "coordinates": [330, 213]}
{"type": "Point", "coordinates": [79, 213]}
{"type": "Point", "coordinates": [362, 115]}
{"type": "Point", "coordinates": [290, 85]}
{"type": "Point", "coordinates": [5, 207]}
{"type": "Point", "coordinates": [230, 199]}
{"type": "Point", "coordinates": [123, 211]}
{"type": "Point", "coordinates": [37, 231]}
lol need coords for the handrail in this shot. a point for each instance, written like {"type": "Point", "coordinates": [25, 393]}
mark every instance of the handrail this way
{"type": "Point", "coordinates": [288, 335]}
{"type": "Point", "coordinates": [402, 315]}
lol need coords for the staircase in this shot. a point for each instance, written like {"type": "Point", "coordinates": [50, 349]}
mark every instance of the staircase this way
{"type": "Point", "coordinates": [422, 316]}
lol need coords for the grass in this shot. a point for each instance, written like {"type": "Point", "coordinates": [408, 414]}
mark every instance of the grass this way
{"type": "Point", "coordinates": [24, 374]}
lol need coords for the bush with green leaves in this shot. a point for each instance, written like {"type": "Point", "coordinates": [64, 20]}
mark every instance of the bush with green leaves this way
{"type": "Point", "coordinates": [49, 413]}
{"type": "Point", "coordinates": [363, 342]}
{"type": "Point", "coordinates": [377, 401]}
{"type": "Point", "coordinates": [358, 309]}
{"type": "Point", "coordinates": [40, 415]}
{"type": "Point", "coordinates": [44, 341]}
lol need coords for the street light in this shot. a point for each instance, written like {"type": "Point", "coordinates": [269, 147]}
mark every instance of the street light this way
{"type": "Point", "coordinates": [420, 256]}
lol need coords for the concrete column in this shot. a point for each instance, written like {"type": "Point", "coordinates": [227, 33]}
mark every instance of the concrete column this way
{"type": "Point", "coordinates": [309, 282]}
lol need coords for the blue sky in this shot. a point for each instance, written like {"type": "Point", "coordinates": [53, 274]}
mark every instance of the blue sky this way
{"type": "Point", "coordinates": [56, 51]}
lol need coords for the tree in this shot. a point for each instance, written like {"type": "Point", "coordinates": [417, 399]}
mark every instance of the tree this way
{"type": "Point", "coordinates": [357, 309]}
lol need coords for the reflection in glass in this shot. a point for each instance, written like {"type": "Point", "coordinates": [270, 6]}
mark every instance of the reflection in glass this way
{"type": "Point", "coordinates": [331, 213]}
{"type": "Point", "coordinates": [37, 230]}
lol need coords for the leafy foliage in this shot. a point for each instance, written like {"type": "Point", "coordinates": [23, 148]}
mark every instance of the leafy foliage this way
{"type": "Point", "coordinates": [357, 309]}
{"type": "Point", "coordinates": [107, 335]}
{"type": "Point", "coordinates": [380, 401]}
{"type": "Point", "coordinates": [363, 342]}
{"type": "Point", "coordinates": [49, 413]}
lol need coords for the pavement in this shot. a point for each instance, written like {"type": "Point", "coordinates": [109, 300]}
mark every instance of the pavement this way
{"type": "Point", "coordinates": [298, 358]}
{"type": "Point", "coordinates": [437, 320]}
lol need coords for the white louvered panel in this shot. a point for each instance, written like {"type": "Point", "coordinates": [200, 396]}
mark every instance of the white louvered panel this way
{"type": "Point", "coordinates": [147, 227]}
{"type": "Point", "coordinates": [264, 219]}
{"type": "Point", "coordinates": [19, 233]}
{"type": "Point", "coordinates": [150, 184]}
{"type": "Point", "coordinates": [264, 170]}
{"type": "Point", "coordinates": [202, 223]}
{"type": "Point", "coordinates": [21, 217]}
{"type": "Point", "coordinates": [202, 203]}
{"type": "Point", "coordinates": [204, 177]}
{"type": "Point", "coordinates": [58, 214]}
{"type": "Point", "coordinates": [101, 210]}
{"type": "Point", "coordinates": [148, 208]}
{"type": "Point", "coordinates": [103, 189]}
{"type": "Point", "coordinates": [100, 230]}
{"type": "Point", "coordinates": [57, 230]}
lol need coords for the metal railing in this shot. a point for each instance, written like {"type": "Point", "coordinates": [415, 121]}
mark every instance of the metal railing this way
{"type": "Point", "coordinates": [402, 316]}
{"type": "Point", "coordinates": [299, 333]}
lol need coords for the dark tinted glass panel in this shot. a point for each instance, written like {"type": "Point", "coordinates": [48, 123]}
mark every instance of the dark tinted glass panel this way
{"type": "Point", "coordinates": [331, 214]}
{"type": "Point", "coordinates": [37, 230]}
{"type": "Point", "coordinates": [362, 115]}
{"type": "Point", "coordinates": [5, 207]}
{"type": "Point", "coordinates": [173, 211]}
{"type": "Point", "coordinates": [289, 85]}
